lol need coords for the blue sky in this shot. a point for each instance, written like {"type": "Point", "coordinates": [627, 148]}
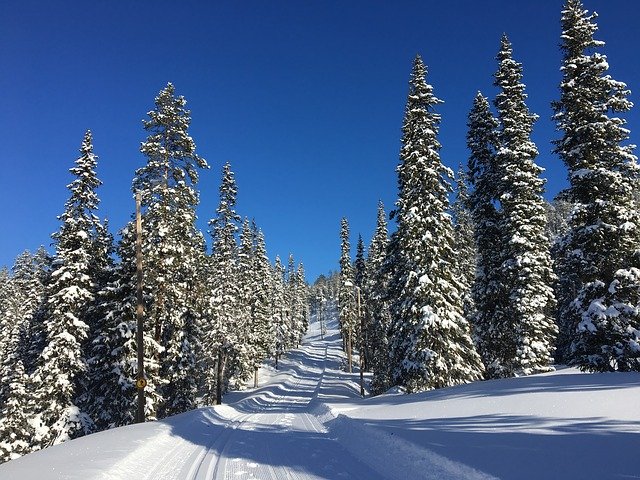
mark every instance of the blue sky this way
{"type": "Point", "coordinates": [304, 99]}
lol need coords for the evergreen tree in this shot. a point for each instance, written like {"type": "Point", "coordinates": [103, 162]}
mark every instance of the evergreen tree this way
{"type": "Point", "coordinates": [70, 295]}
{"type": "Point", "coordinates": [487, 292]}
{"type": "Point", "coordinates": [262, 302]}
{"type": "Point", "coordinates": [431, 342]}
{"type": "Point", "coordinates": [221, 340]}
{"type": "Point", "coordinates": [599, 254]}
{"type": "Point", "coordinates": [242, 364]}
{"type": "Point", "coordinates": [526, 325]}
{"type": "Point", "coordinates": [346, 303]}
{"type": "Point", "coordinates": [35, 335]}
{"type": "Point", "coordinates": [279, 322]}
{"type": "Point", "coordinates": [376, 286]}
{"type": "Point", "coordinates": [172, 245]}
{"type": "Point", "coordinates": [16, 431]}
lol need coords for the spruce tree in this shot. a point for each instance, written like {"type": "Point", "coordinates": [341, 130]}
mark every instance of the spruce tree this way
{"type": "Point", "coordinates": [599, 254]}
{"type": "Point", "coordinates": [525, 322]}
{"type": "Point", "coordinates": [346, 303]}
{"type": "Point", "coordinates": [35, 335]}
{"type": "Point", "coordinates": [280, 326]}
{"type": "Point", "coordinates": [376, 286]}
{"type": "Point", "coordinates": [431, 343]}
{"type": "Point", "coordinates": [221, 324]}
{"type": "Point", "coordinates": [16, 430]}
{"type": "Point", "coordinates": [487, 291]}
{"type": "Point", "coordinates": [70, 295]}
{"type": "Point", "coordinates": [262, 302]}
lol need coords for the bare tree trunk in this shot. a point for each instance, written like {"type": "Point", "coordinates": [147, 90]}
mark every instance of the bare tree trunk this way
{"type": "Point", "coordinates": [255, 377]}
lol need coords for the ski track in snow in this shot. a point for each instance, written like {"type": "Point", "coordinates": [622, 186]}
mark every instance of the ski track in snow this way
{"type": "Point", "coordinates": [270, 433]}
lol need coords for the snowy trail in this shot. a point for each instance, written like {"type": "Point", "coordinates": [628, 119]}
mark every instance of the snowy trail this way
{"type": "Point", "coordinates": [267, 433]}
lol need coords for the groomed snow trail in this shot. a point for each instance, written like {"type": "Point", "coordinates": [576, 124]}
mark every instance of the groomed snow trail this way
{"type": "Point", "coordinates": [267, 433]}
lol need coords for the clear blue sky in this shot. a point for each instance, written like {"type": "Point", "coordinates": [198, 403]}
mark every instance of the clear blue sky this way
{"type": "Point", "coordinates": [304, 98]}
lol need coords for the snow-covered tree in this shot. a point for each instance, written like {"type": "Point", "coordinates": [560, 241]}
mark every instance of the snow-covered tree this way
{"type": "Point", "coordinates": [346, 303]}
{"type": "Point", "coordinates": [34, 333]}
{"type": "Point", "coordinates": [279, 323]}
{"type": "Point", "coordinates": [487, 292]}
{"type": "Point", "coordinates": [70, 295]}
{"type": "Point", "coordinates": [221, 321]}
{"type": "Point", "coordinates": [599, 304]}
{"type": "Point", "coordinates": [526, 324]}
{"type": "Point", "coordinates": [16, 430]}
{"type": "Point", "coordinates": [379, 317]}
{"type": "Point", "coordinates": [262, 333]}
{"type": "Point", "coordinates": [172, 245]}
{"type": "Point", "coordinates": [431, 343]}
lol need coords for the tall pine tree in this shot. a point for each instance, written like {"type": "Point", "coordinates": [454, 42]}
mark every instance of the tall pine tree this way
{"type": "Point", "coordinates": [221, 326]}
{"type": "Point", "coordinates": [376, 286]}
{"type": "Point", "coordinates": [527, 327]}
{"type": "Point", "coordinates": [600, 319]}
{"type": "Point", "coordinates": [70, 295]}
{"type": "Point", "coordinates": [431, 344]}
{"type": "Point", "coordinates": [487, 292]}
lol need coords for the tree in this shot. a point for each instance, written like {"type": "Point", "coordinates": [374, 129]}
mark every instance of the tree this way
{"type": "Point", "coordinates": [346, 302]}
{"type": "Point", "coordinates": [431, 344]}
{"type": "Point", "coordinates": [221, 340]}
{"type": "Point", "coordinates": [262, 332]}
{"type": "Point", "coordinates": [379, 317]}
{"type": "Point", "coordinates": [173, 247]}
{"type": "Point", "coordinates": [599, 254]}
{"type": "Point", "coordinates": [70, 295]}
{"type": "Point", "coordinates": [487, 293]}
{"type": "Point", "coordinates": [35, 335]}
{"type": "Point", "coordinates": [526, 323]}
{"type": "Point", "coordinates": [16, 431]}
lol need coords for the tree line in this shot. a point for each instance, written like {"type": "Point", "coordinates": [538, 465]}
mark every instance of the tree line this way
{"type": "Point", "coordinates": [501, 283]}
{"type": "Point", "coordinates": [211, 318]}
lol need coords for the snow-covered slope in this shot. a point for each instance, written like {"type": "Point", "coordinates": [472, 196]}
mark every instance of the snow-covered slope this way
{"type": "Point", "coordinates": [308, 422]}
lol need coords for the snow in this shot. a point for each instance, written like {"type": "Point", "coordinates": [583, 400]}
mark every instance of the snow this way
{"type": "Point", "coordinates": [307, 421]}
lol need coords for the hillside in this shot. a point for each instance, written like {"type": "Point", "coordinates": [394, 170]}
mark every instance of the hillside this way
{"type": "Point", "coordinates": [308, 422]}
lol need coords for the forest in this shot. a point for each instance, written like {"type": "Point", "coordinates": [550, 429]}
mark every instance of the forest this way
{"type": "Point", "coordinates": [497, 283]}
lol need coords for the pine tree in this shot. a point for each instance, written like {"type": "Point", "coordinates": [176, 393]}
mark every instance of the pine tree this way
{"type": "Point", "coordinates": [221, 338]}
{"type": "Point", "coordinates": [376, 286]}
{"type": "Point", "coordinates": [487, 290]}
{"type": "Point", "coordinates": [279, 322]}
{"type": "Point", "coordinates": [431, 342]}
{"type": "Point", "coordinates": [173, 246]}
{"type": "Point", "coordinates": [16, 431]}
{"type": "Point", "coordinates": [70, 295]}
{"type": "Point", "coordinates": [599, 254]}
{"type": "Point", "coordinates": [35, 335]}
{"type": "Point", "coordinates": [526, 324]}
{"type": "Point", "coordinates": [346, 303]}
{"type": "Point", "coordinates": [262, 302]}
{"type": "Point", "coordinates": [241, 366]}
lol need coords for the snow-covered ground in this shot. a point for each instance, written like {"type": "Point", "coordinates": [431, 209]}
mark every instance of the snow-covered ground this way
{"type": "Point", "coordinates": [307, 421]}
